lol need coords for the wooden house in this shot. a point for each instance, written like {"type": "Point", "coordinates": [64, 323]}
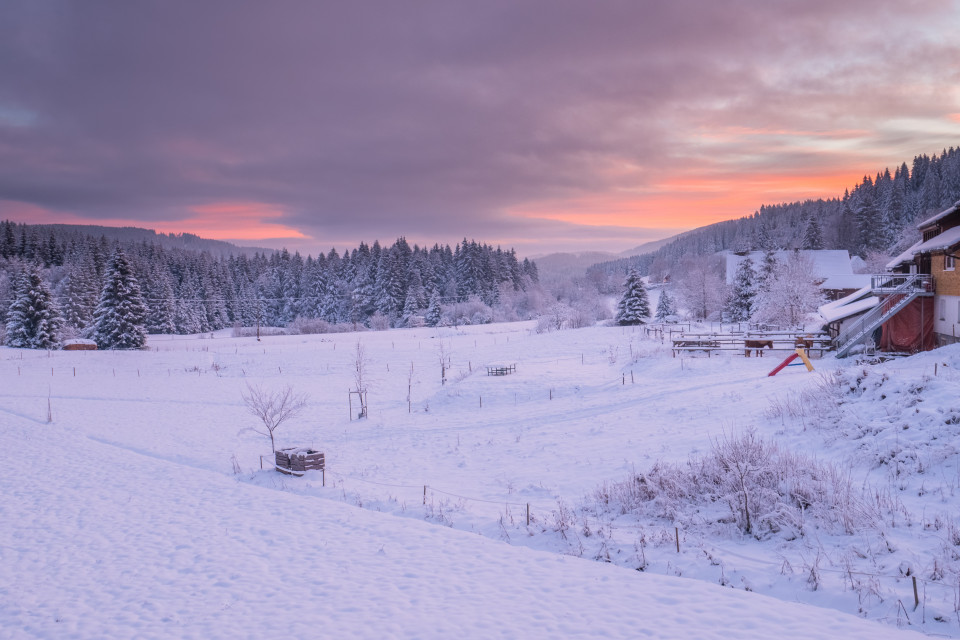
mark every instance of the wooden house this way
{"type": "Point", "coordinates": [915, 305]}
{"type": "Point", "coordinates": [935, 256]}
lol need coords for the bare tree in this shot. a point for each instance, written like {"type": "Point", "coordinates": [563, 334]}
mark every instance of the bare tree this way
{"type": "Point", "coordinates": [273, 408]}
{"type": "Point", "coordinates": [360, 367]}
{"type": "Point", "coordinates": [701, 288]}
{"type": "Point", "coordinates": [444, 355]}
{"type": "Point", "coordinates": [790, 295]}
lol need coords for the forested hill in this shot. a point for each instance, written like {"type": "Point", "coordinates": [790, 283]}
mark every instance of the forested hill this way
{"type": "Point", "coordinates": [137, 234]}
{"type": "Point", "coordinates": [876, 216]}
{"type": "Point", "coordinates": [190, 291]}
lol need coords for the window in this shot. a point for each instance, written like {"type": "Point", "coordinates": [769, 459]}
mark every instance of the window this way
{"type": "Point", "coordinates": [943, 309]}
{"type": "Point", "coordinates": [949, 262]}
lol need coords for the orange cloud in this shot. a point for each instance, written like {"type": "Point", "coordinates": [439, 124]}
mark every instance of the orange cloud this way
{"type": "Point", "coordinates": [688, 201]}
{"type": "Point", "coordinates": [235, 221]}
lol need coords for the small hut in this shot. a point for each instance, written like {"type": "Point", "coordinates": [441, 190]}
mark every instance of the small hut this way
{"type": "Point", "coordinates": [79, 344]}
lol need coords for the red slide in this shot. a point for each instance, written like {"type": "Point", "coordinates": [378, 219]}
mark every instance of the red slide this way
{"type": "Point", "coordinates": [790, 358]}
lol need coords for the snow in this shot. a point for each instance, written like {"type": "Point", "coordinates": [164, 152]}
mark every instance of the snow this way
{"type": "Point", "coordinates": [943, 214]}
{"type": "Point", "coordinates": [848, 281]}
{"type": "Point", "coordinates": [826, 263]}
{"type": "Point", "coordinates": [839, 312]}
{"type": "Point", "coordinates": [942, 242]}
{"type": "Point", "coordinates": [905, 257]}
{"type": "Point", "coordinates": [124, 516]}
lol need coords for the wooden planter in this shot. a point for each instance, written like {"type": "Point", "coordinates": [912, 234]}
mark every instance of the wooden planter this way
{"type": "Point", "coordinates": [295, 461]}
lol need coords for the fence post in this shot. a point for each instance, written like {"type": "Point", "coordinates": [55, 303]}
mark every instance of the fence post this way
{"type": "Point", "coordinates": [676, 532]}
{"type": "Point", "coordinates": [916, 596]}
{"type": "Point", "coordinates": [528, 524]}
{"type": "Point", "coordinates": [424, 494]}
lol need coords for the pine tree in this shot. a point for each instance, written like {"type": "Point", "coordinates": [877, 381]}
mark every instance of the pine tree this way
{"type": "Point", "coordinates": [33, 321]}
{"type": "Point", "coordinates": [120, 317]}
{"type": "Point", "coordinates": [665, 307]}
{"type": "Point", "coordinates": [740, 305]}
{"type": "Point", "coordinates": [434, 312]}
{"type": "Point", "coordinates": [80, 292]}
{"type": "Point", "coordinates": [813, 235]}
{"type": "Point", "coordinates": [768, 270]}
{"type": "Point", "coordinates": [634, 306]}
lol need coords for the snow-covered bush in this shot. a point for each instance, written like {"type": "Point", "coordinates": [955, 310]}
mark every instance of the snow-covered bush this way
{"type": "Point", "coordinates": [309, 326]}
{"type": "Point", "coordinates": [747, 482]}
{"type": "Point", "coordinates": [545, 324]}
{"type": "Point", "coordinates": [379, 322]}
{"type": "Point", "coordinates": [472, 311]}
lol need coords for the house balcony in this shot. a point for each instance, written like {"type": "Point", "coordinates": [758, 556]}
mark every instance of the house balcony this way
{"type": "Point", "coordinates": [913, 283]}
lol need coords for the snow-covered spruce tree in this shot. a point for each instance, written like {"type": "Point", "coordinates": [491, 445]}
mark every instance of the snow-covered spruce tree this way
{"type": "Point", "coordinates": [33, 321]}
{"type": "Point", "coordinates": [813, 235]}
{"type": "Point", "coordinates": [120, 318]}
{"type": "Point", "coordinates": [434, 311]}
{"type": "Point", "coordinates": [634, 306]}
{"type": "Point", "coordinates": [740, 304]}
{"type": "Point", "coordinates": [665, 307]}
{"type": "Point", "coordinates": [769, 266]}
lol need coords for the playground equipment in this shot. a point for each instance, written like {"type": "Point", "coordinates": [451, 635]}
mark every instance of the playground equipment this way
{"type": "Point", "coordinates": [801, 353]}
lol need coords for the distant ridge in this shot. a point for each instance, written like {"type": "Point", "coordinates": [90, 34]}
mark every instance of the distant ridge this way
{"type": "Point", "coordinates": [647, 247]}
{"type": "Point", "coordinates": [562, 265]}
{"type": "Point", "coordinates": [166, 240]}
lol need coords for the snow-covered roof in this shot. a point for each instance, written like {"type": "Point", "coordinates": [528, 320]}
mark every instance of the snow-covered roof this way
{"type": "Point", "coordinates": [847, 299]}
{"type": "Point", "coordinates": [846, 281]}
{"type": "Point", "coordinates": [943, 214]}
{"type": "Point", "coordinates": [79, 341]}
{"type": "Point", "coordinates": [942, 242]}
{"type": "Point", "coordinates": [832, 314]}
{"type": "Point", "coordinates": [906, 256]}
{"type": "Point", "coordinates": [826, 263]}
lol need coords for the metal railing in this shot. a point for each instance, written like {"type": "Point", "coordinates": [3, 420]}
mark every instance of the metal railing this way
{"type": "Point", "coordinates": [908, 286]}
{"type": "Point", "coordinates": [901, 282]}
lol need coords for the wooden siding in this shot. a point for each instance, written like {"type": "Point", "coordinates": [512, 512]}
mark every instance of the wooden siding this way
{"type": "Point", "coordinates": [946, 283]}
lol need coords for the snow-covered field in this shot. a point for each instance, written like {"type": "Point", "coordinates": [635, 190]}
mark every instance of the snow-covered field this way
{"type": "Point", "coordinates": [133, 503]}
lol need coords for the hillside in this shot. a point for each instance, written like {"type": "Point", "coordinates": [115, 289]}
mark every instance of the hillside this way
{"type": "Point", "coordinates": [186, 241]}
{"type": "Point", "coordinates": [877, 215]}
{"type": "Point", "coordinates": [135, 504]}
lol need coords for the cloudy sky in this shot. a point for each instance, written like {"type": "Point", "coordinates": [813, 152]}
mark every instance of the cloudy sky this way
{"type": "Point", "coordinates": [542, 125]}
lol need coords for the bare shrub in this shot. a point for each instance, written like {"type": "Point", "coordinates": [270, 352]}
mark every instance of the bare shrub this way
{"type": "Point", "coordinates": [746, 474]}
{"type": "Point", "coordinates": [250, 332]}
{"type": "Point", "coordinates": [379, 322]}
{"type": "Point", "coordinates": [273, 408]}
{"type": "Point", "coordinates": [766, 490]}
{"type": "Point", "coordinates": [544, 325]}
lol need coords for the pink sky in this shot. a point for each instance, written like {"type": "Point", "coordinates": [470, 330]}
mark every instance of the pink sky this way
{"type": "Point", "coordinates": [543, 126]}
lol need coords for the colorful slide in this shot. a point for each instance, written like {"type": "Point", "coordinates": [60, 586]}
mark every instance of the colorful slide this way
{"type": "Point", "coordinates": [790, 358]}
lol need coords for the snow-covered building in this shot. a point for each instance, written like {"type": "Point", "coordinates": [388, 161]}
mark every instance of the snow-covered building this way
{"type": "Point", "coordinates": [919, 296]}
{"type": "Point", "coordinates": [935, 256]}
{"type": "Point", "coordinates": [839, 315]}
{"type": "Point", "coordinates": [832, 269]}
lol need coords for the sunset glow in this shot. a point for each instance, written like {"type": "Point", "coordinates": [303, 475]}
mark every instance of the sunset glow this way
{"type": "Point", "coordinates": [541, 126]}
